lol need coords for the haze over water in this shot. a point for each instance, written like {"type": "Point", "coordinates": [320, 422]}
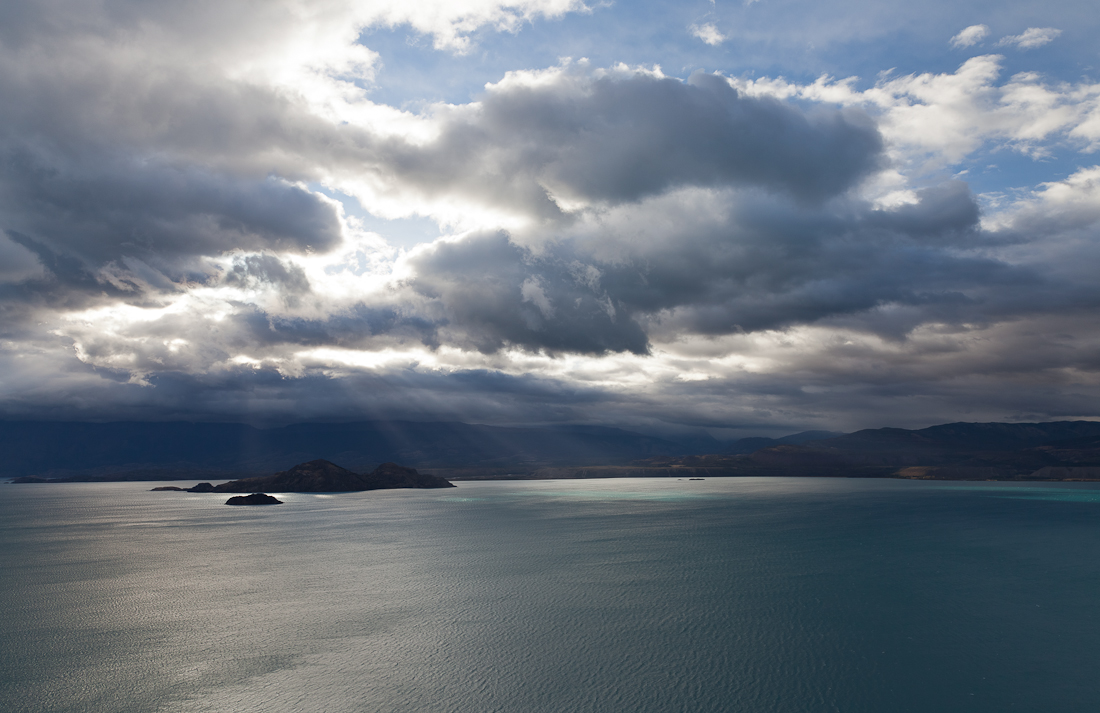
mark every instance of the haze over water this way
{"type": "Point", "coordinates": [642, 595]}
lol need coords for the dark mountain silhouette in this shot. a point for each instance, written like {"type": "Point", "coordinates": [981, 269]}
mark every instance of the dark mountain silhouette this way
{"type": "Point", "coordinates": [755, 443]}
{"type": "Point", "coordinates": [1011, 446]}
{"type": "Point", "coordinates": [1062, 450]}
{"type": "Point", "coordinates": [952, 439]}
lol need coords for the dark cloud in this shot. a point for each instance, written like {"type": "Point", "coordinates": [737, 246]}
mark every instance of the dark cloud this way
{"type": "Point", "coordinates": [253, 270]}
{"type": "Point", "coordinates": [492, 293]}
{"type": "Point", "coordinates": [104, 209]}
{"type": "Point", "coordinates": [264, 395]}
{"type": "Point", "coordinates": [121, 158]}
{"type": "Point", "coordinates": [70, 271]}
{"type": "Point", "coordinates": [770, 265]}
{"type": "Point", "coordinates": [842, 386]}
{"type": "Point", "coordinates": [625, 139]}
{"type": "Point", "coordinates": [358, 326]}
{"type": "Point", "coordinates": [765, 264]}
{"type": "Point", "coordinates": [946, 214]}
{"type": "Point", "coordinates": [614, 139]}
{"type": "Point", "coordinates": [130, 230]}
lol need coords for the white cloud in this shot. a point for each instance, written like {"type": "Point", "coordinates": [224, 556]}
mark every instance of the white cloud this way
{"type": "Point", "coordinates": [970, 36]}
{"type": "Point", "coordinates": [532, 291]}
{"type": "Point", "coordinates": [450, 22]}
{"type": "Point", "coordinates": [708, 33]}
{"type": "Point", "coordinates": [1031, 38]}
{"type": "Point", "coordinates": [1056, 206]}
{"type": "Point", "coordinates": [934, 121]}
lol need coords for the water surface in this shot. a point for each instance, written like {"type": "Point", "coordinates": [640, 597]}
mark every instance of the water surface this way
{"type": "Point", "coordinates": [739, 594]}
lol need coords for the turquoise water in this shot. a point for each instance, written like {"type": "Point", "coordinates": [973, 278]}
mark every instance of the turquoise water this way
{"type": "Point", "coordinates": [615, 595]}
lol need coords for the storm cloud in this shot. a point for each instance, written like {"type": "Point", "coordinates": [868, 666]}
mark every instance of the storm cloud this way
{"type": "Point", "coordinates": [199, 206]}
{"type": "Point", "coordinates": [574, 137]}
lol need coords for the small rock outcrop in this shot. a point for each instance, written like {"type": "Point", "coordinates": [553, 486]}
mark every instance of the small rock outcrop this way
{"type": "Point", "coordinates": [201, 488]}
{"type": "Point", "coordinates": [166, 487]}
{"type": "Point", "coordinates": [253, 499]}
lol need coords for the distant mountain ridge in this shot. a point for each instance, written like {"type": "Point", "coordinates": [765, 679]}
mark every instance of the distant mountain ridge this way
{"type": "Point", "coordinates": [967, 436]}
{"type": "Point", "coordinates": [755, 443]}
{"type": "Point", "coordinates": [979, 444]}
{"type": "Point", "coordinates": [1059, 450]}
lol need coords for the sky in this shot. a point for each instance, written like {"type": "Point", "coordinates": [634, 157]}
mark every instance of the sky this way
{"type": "Point", "coordinates": [743, 218]}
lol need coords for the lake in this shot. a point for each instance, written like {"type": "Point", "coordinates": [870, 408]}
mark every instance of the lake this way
{"type": "Point", "coordinates": [735, 594]}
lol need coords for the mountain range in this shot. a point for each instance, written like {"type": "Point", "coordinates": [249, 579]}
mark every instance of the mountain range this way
{"type": "Point", "coordinates": [176, 450]}
{"type": "Point", "coordinates": [1061, 450]}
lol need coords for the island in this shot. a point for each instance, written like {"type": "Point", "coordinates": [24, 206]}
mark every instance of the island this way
{"type": "Point", "coordinates": [253, 499]}
{"type": "Point", "coordinates": [322, 476]}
